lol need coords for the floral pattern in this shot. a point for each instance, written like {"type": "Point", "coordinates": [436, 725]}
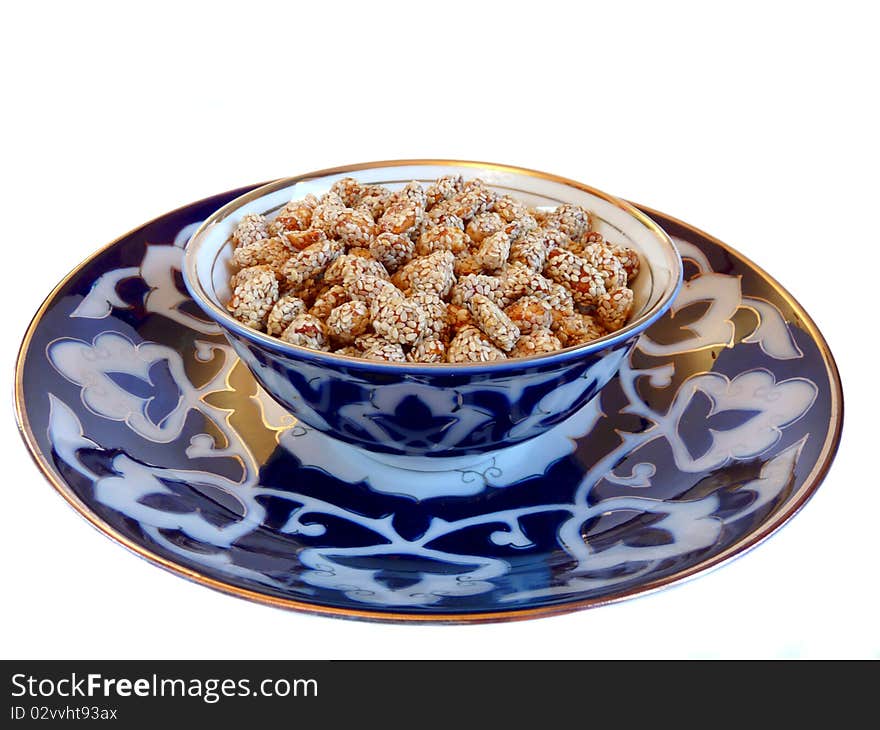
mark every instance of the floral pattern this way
{"type": "Point", "coordinates": [409, 415]}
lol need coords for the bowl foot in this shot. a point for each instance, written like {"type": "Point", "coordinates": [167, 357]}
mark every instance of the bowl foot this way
{"type": "Point", "coordinates": [424, 477]}
{"type": "Point", "coordinates": [430, 463]}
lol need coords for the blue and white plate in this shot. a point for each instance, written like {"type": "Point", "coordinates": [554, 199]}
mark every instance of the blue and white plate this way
{"type": "Point", "coordinates": [716, 432]}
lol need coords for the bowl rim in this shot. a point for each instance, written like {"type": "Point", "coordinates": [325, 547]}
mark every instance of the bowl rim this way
{"type": "Point", "coordinates": [228, 322]}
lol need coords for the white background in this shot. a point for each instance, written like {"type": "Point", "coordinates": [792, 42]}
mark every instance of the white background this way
{"type": "Point", "coordinates": [757, 123]}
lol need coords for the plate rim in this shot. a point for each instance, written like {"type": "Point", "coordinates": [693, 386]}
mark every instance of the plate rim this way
{"type": "Point", "coordinates": [771, 526]}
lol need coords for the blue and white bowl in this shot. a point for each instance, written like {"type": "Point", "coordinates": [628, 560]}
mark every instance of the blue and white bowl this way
{"type": "Point", "coordinates": [444, 409]}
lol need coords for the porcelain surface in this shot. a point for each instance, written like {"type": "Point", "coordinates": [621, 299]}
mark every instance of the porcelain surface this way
{"type": "Point", "coordinates": [717, 428]}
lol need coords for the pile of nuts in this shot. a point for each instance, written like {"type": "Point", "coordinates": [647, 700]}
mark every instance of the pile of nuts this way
{"type": "Point", "coordinates": [452, 272]}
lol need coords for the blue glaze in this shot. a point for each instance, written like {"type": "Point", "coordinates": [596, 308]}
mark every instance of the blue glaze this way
{"type": "Point", "coordinates": [454, 414]}
{"type": "Point", "coordinates": [443, 410]}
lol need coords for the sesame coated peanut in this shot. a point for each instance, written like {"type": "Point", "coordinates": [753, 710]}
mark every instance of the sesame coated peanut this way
{"type": "Point", "coordinates": [446, 272]}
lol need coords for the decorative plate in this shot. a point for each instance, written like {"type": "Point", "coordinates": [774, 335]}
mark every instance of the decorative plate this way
{"type": "Point", "coordinates": [715, 433]}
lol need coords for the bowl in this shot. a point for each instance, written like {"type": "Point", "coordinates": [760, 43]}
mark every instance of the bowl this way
{"type": "Point", "coordinates": [427, 411]}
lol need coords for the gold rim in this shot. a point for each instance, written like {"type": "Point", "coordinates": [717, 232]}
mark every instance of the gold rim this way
{"type": "Point", "coordinates": [224, 319]}
{"type": "Point", "coordinates": [808, 488]}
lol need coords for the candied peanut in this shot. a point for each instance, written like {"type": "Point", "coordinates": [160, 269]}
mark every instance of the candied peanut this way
{"type": "Point", "coordinates": [405, 210]}
{"type": "Point", "coordinates": [471, 345]}
{"type": "Point", "coordinates": [464, 205]}
{"type": "Point", "coordinates": [401, 217]}
{"type": "Point", "coordinates": [536, 342]}
{"type": "Point", "coordinates": [282, 314]}
{"type": "Point", "coordinates": [427, 350]}
{"type": "Point", "coordinates": [414, 193]}
{"type": "Point", "coordinates": [350, 266]}
{"type": "Point", "coordinates": [476, 194]}
{"type": "Point", "coordinates": [550, 238]}
{"type": "Point", "coordinates": [493, 251]}
{"type": "Point", "coordinates": [539, 214]}
{"type": "Point", "coordinates": [299, 240]}
{"type": "Point", "coordinates": [559, 298]}
{"type": "Point", "coordinates": [458, 317]}
{"type": "Point", "coordinates": [576, 329]}
{"type": "Point", "coordinates": [602, 257]}
{"type": "Point", "coordinates": [348, 321]}
{"type": "Point", "coordinates": [398, 320]}
{"type": "Point", "coordinates": [392, 250]}
{"type": "Point", "coordinates": [441, 238]}
{"type": "Point", "coordinates": [250, 229]}
{"type": "Point", "coordinates": [469, 285]}
{"type": "Point", "coordinates": [354, 227]}
{"type": "Point", "coordinates": [572, 220]}
{"type": "Point", "coordinates": [368, 340]}
{"type": "Point", "coordinates": [294, 216]}
{"type": "Point", "coordinates": [519, 280]}
{"type": "Point", "coordinates": [435, 311]}
{"type": "Point", "coordinates": [484, 225]}
{"type": "Point", "coordinates": [349, 190]}
{"type": "Point", "coordinates": [494, 323]}
{"type": "Point", "coordinates": [400, 279]}
{"type": "Point", "coordinates": [327, 300]}
{"type": "Point", "coordinates": [388, 351]}
{"type": "Point", "coordinates": [529, 252]}
{"type": "Point", "coordinates": [437, 217]}
{"type": "Point", "coordinates": [449, 208]}
{"type": "Point", "coordinates": [530, 313]}
{"type": "Point", "coordinates": [368, 289]}
{"type": "Point", "coordinates": [613, 308]}
{"type": "Point", "coordinates": [332, 199]}
{"type": "Point", "coordinates": [375, 200]}
{"type": "Point", "coordinates": [433, 273]}
{"type": "Point", "coordinates": [348, 351]}
{"type": "Point", "coordinates": [270, 251]}
{"type": "Point", "coordinates": [629, 259]}
{"type": "Point", "coordinates": [469, 264]}
{"type": "Point", "coordinates": [306, 331]}
{"type": "Point", "coordinates": [443, 188]}
{"type": "Point", "coordinates": [474, 198]}
{"type": "Point", "coordinates": [509, 208]}
{"type": "Point", "coordinates": [521, 227]}
{"type": "Point", "coordinates": [444, 213]}
{"type": "Point", "coordinates": [309, 289]}
{"type": "Point", "coordinates": [310, 262]}
{"type": "Point", "coordinates": [326, 213]}
{"type": "Point", "coordinates": [582, 279]}
{"type": "Point", "coordinates": [254, 293]}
